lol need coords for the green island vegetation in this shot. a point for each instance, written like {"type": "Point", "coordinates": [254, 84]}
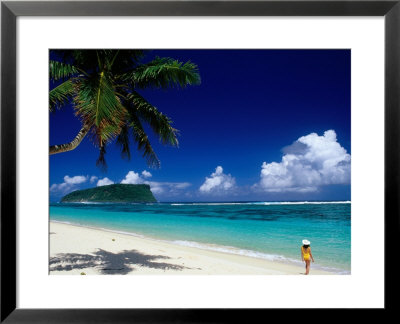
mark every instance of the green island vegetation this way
{"type": "Point", "coordinates": [125, 193]}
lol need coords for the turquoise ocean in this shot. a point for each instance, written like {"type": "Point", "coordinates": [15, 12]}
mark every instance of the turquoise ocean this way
{"type": "Point", "coordinates": [269, 230]}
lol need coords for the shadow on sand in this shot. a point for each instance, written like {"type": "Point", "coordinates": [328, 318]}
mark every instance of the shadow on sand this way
{"type": "Point", "coordinates": [110, 263]}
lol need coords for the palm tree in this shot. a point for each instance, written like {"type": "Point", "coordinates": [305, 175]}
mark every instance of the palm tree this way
{"type": "Point", "coordinates": [103, 88]}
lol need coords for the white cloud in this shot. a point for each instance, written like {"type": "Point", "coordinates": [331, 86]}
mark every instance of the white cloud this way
{"type": "Point", "coordinates": [310, 162]}
{"type": "Point", "coordinates": [93, 179]}
{"type": "Point", "coordinates": [69, 184]}
{"type": "Point", "coordinates": [168, 188]}
{"type": "Point", "coordinates": [59, 187]}
{"type": "Point", "coordinates": [146, 174]}
{"type": "Point", "coordinates": [104, 182]}
{"type": "Point", "coordinates": [132, 178]}
{"type": "Point", "coordinates": [156, 189]}
{"type": "Point", "coordinates": [75, 179]}
{"type": "Point", "coordinates": [218, 182]}
{"type": "Point", "coordinates": [179, 185]}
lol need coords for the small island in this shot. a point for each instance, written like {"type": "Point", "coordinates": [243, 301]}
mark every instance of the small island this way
{"type": "Point", "coordinates": [115, 193]}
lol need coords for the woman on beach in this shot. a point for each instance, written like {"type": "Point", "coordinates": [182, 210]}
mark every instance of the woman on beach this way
{"type": "Point", "coordinates": [306, 255]}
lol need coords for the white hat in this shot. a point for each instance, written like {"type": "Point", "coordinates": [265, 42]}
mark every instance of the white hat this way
{"type": "Point", "coordinates": [306, 242]}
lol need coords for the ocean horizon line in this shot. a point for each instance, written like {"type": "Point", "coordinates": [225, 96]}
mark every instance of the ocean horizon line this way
{"type": "Point", "coordinates": [217, 202]}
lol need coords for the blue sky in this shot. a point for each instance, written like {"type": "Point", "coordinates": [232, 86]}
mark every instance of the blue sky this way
{"type": "Point", "coordinates": [264, 125]}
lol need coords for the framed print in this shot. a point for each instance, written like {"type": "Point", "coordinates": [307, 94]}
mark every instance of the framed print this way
{"type": "Point", "coordinates": [276, 126]}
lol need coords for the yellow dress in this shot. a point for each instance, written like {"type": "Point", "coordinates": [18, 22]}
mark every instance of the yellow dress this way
{"type": "Point", "coordinates": [306, 253]}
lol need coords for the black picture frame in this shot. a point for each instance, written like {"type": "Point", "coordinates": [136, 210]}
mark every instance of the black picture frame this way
{"type": "Point", "coordinates": [10, 10]}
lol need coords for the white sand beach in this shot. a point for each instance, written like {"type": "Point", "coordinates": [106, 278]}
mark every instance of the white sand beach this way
{"type": "Point", "coordinates": [76, 250]}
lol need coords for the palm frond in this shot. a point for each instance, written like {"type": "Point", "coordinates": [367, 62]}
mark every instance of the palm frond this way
{"type": "Point", "coordinates": [101, 161]}
{"type": "Point", "coordinates": [61, 71]}
{"type": "Point", "coordinates": [123, 142]}
{"type": "Point", "coordinates": [163, 73]}
{"type": "Point", "coordinates": [87, 59]}
{"type": "Point", "coordinates": [97, 104]}
{"type": "Point", "coordinates": [61, 94]}
{"type": "Point", "coordinates": [143, 142]}
{"type": "Point", "coordinates": [159, 123]}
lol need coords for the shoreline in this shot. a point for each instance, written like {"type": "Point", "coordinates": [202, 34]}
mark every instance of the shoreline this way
{"type": "Point", "coordinates": [102, 251]}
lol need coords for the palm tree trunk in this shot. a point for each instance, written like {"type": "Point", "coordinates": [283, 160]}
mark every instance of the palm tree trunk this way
{"type": "Point", "coordinates": [72, 145]}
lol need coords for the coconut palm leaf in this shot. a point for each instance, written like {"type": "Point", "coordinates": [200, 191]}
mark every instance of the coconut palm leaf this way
{"type": "Point", "coordinates": [60, 70]}
{"type": "Point", "coordinates": [101, 161]}
{"type": "Point", "coordinates": [143, 142]}
{"type": "Point", "coordinates": [123, 142]}
{"type": "Point", "coordinates": [87, 60]}
{"type": "Point", "coordinates": [61, 94]}
{"type": "Point", "coordinates": [96, 103]}
{"type": "Point", "coordinates": [126, 60]}
{"type": "Point", "coordinates": [163, 73]}
{"type": "Point", "coordinates": [160, 123]}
